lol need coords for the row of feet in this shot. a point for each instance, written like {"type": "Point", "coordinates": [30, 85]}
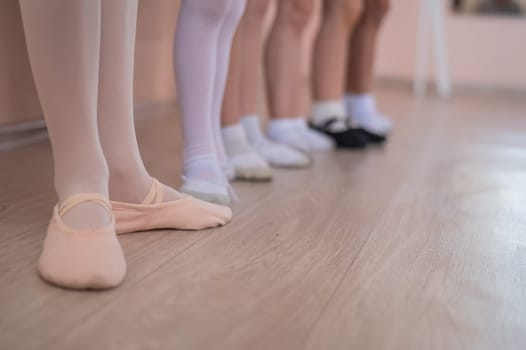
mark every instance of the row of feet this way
{"type": "Point", "coordinates": [289, 143]}
{"type": "Point", "coordinates": [94, 257]}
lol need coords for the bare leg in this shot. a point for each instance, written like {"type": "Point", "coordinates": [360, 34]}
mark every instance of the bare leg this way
{"type": "Point", "coordinates": [363, 45]}
{"type": "Point", "coordinates": [129, 179]}
{"type": "Point", "coordinates": [282, 54]}
{"type": "Point", "coordinates": [284, 79]}
{"type": "Point", "coordinates": [251, 33]}
{"type": "Point", "coordinates": [329, 70]}
{"type": "Point", "coordinates": [360, 103]}
{"type": "Point", "coordinates": [247, 147]}
{"type": "Point", "coordinates": [246, 163]}
{"type": "Point", "coordinates": [63, 39]}
{"type": "Point", "coordinates": [330, 53]}
{"type": "Point", "coordinates": [230, 111]}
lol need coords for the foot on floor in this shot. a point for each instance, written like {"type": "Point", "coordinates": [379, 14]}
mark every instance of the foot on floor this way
{"type": "Point", "coordinates": [280, 155]}
{"type": "Point", "coordinates": [344, 137]}
{"type": "Point", "coordinates": [205, 179]}
{"type": "Point", "coordinates": [363, 114]}
{"type": "Point", "coordinates": [184, 213]}
{"type": "Point", "coordinates": [328, 117]}
{"type": "Point", "coordinates": [276, 154]}
{"type": "Point", "coordinates": [295, 133]}
{"type": "Point", "coordinates": [247, 163]}
{"type": "Point", "coordinates": [82, 258]}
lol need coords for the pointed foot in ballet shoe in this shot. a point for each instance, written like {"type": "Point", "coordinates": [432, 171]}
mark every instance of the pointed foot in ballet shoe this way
{"type": "Point", "coordinates": [81, 259]}
{"type": "Point", "coordinates": [186, 213]}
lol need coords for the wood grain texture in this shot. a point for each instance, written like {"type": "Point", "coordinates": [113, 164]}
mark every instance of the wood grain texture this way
{"type": "Point", "coordinates": [416, 245]}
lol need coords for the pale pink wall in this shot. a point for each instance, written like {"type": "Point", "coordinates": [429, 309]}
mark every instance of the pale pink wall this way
{"type": "Point", "coordinates": [483, 51]}
{"type": "Point", "coordinates": [153, 64]}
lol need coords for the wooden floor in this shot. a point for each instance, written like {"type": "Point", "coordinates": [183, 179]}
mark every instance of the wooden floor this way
{"type": "Point", "coordinates": [417, 245]}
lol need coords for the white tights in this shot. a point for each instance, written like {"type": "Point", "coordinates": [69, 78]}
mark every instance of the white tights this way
{"type": "Point", "coordinates": [203, 40]}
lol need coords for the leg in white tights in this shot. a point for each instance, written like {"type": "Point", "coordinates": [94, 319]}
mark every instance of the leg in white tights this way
{"type": "Point", "coordinates": [199, 64]}
{"type": "Point", "coordinates": [226, 36]}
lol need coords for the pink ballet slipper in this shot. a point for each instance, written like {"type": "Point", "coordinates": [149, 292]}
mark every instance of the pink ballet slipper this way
{"type": "Point", "coordinates": [187, 213]}
{"type": "Point", "coordinates": [81, 259]}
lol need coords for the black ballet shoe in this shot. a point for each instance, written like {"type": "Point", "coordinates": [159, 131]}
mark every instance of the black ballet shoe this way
{"type": "Point", "coordinates": [372, 137]}
{"type": "Point", "coordinates": [349, 138]}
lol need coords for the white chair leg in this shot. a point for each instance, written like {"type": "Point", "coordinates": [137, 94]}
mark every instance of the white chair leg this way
{"type": "Point", "coordinates": [442, 74]}
{"type": "Point", "coordinates": [431, 27]}
{"type": "Point", "coordinates": [422, 50]}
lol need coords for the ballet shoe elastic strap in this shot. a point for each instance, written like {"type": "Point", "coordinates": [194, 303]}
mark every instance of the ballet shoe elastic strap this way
{"type": "Point", "coordinates": [155, 195]}
{"type": "Point", "coordinates": [75, 200]}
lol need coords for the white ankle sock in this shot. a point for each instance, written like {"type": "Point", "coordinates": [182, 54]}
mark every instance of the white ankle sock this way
{"type": "Point", "coordinates": [318, 142]}
{"type": "Point", "coordinates": [235, 140]}
{"type": "Point", "coordinates": [204, 179]}
{"type": "Point", "coordinates": [325, 111]}
{"type": "Point", "coordinates": [295, 133]}
{"type": "Point", "coordinates": [247, 163]}
{"type": "Point", "coordinates": [207, 191]}
{"type": "Point", "coordinates": [252, 127]}
{"type": "Point", "coordinates": [287, 131]}
{"type": "Point", "coordinates": [204, 167]}
{"type": "Point", "coordinates": [361, 109]}
{"type": "Point", "coordinates": [276, 154]}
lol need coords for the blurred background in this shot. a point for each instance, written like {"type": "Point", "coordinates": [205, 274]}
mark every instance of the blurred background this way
{"type": "Point", "coordinates": [416, 245]}
{"type": "Point", "coordinates": [483, 47]}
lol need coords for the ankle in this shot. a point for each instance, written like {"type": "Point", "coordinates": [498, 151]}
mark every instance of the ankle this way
{"type": "Point", "coordinates": [129, 184]}
{"type": "Point", "coordinates": [93, 180]}
{"type": "Point", "coordinates": [358, 105]}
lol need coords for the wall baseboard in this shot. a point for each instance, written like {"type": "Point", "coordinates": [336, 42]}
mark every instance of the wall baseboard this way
{"type": "Point", "coordinates": [27, 133]}
{"type": "Point", "coordinates": [22, 134]}
{"type": "Point", "coordinates": [458, 89]}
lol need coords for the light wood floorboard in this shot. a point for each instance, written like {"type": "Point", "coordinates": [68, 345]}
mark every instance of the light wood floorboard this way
{"type": "Point", "coordinates": [416, 245]}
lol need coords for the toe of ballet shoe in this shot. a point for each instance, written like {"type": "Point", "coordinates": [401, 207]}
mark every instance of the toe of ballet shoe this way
{"type": "Point", "coordinates": [187, 213]}
{"type": "Point", "coordinates": [87, 259]}
{"type": "Point", "coordinates": [202, 214]}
